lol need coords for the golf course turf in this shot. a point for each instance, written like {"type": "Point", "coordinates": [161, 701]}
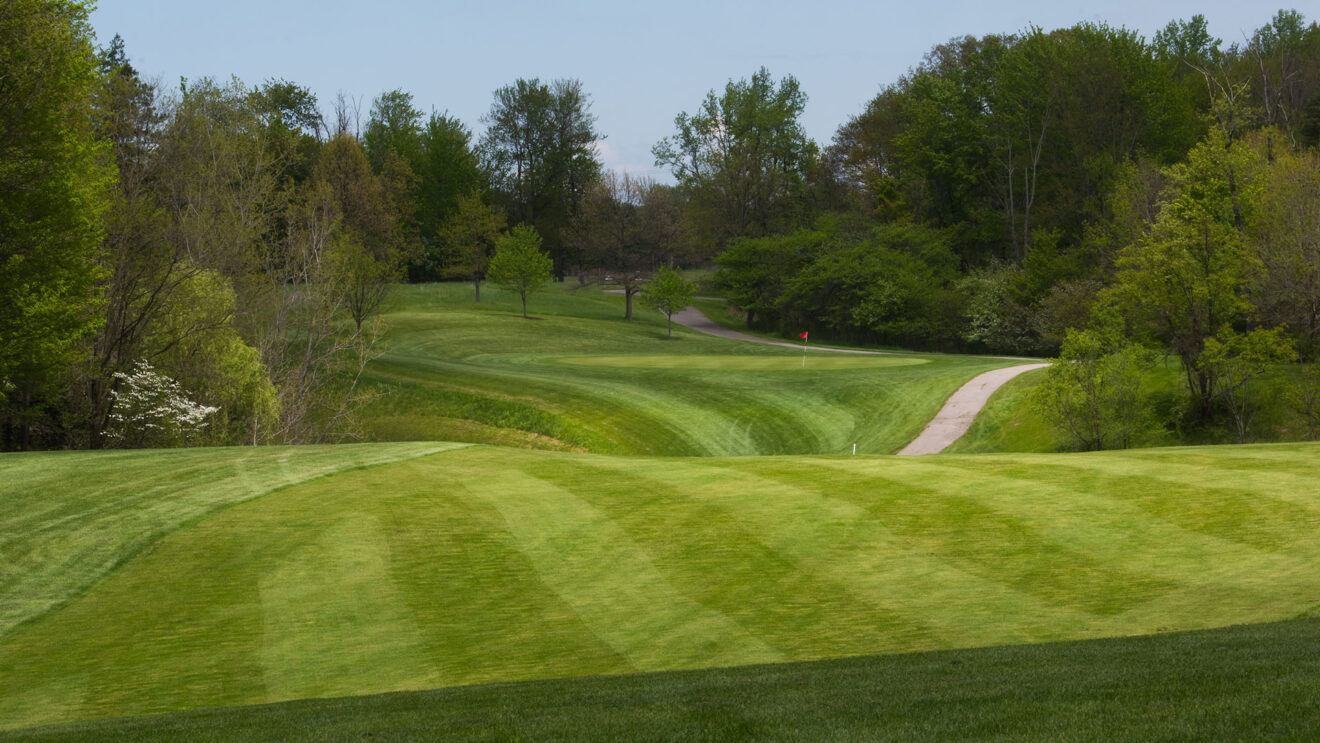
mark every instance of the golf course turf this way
{"type": "Point", "coordinates": [580, 377]}
{"type": "Point", "coordinates": [1239, 683]}
{"type": "Point", "coordinates": [686, 590]}
{"type": "Point", "coordinates": [484, 564]}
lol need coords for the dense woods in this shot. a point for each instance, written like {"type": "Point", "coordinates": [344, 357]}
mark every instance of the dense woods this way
{"type": "Point", "coordinates": [208, 264]}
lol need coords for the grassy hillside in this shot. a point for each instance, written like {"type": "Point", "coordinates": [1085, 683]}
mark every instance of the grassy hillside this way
{"type": "Point", "coordinates": [1010, 423]}
{"type": "Point", "coordinates": [578, 377]}
{"type": "Point", "coordinates": [489, 564]}
{"type": "Point", "coordinates": [1241, 683]}
{"type": "Point", "coordinates": [70, 518]}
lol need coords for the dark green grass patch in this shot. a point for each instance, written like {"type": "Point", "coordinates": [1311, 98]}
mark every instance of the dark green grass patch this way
{"type": "Point", "coordinates": [1240, 683]}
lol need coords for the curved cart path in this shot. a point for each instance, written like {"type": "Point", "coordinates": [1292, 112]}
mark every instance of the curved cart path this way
{"type": "Point", "coordinates": [961, 408]}
{"type": "Point", "coordinates": [946, 427]}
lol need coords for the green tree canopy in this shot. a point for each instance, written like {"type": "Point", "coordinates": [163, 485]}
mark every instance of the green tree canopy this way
{"type": "Point", "coordinates": [519, 264]}
{"type": "Point", "coordinates": [540, 151]}
{"type": "Point", "coordinates": [1092, 395]}
{"type": "Point", "coordinates": [394, 125]}
{"type": "Point", "coordinates": [1236, 360]}
{"type": "Point", "coordinates": [449, 169]}
{"type": "Point", "coordinates": [469, 236]}
{"type": "Point", "coordinates": [668, 292]}
{"type": "Point", "coordinates": [743, 157]}
{"type": "Point", "coordinates": [54, 181]}
{"type": "Point", "coordinates": [1188, 277]}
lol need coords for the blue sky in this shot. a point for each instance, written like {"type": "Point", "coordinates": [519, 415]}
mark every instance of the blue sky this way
{"type": "Point", "coordinates": [641, 63]}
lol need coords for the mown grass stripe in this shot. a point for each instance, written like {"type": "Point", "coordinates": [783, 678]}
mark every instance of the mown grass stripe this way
{"type": "Point", "coordinates": [612, 583]}
{"type": "Point", "coordinates": [1234, 506]}
{"type": "Point", "coordinates": [725, 562]}
{"type": "Point", "coordinates": [69, 519]}
{"type": "Point", "coordinates": [829, 532]}
{"type": "Point", "coordinates": [963, 531]}
{"type": "Point", "coordinates": [1079, 510]}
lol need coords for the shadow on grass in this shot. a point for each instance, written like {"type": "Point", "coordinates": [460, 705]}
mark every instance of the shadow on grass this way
{"type": "Point", "coordinates": [1252, 682]}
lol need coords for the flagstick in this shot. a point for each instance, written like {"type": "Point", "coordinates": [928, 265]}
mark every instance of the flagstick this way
{"type": "Point", "coordinates": [804, 353]}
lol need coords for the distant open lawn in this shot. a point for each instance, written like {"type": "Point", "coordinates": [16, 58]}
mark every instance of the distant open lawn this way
{"type": "Point", "coordinates": [486, 564]}
{"type": "Point", "coordinates": [579, 377]}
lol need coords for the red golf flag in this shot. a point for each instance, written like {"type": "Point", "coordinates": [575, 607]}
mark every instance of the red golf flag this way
{"type": "Point", "coordinates": [804, 335]}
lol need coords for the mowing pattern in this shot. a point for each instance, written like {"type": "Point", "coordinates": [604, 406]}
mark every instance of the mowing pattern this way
{"type": "Point", "coordinates": [489, 564]}
{"type": "Point", "coordinates": [68, 519]}
{"type": "Point", "coordinates": [579, 377]}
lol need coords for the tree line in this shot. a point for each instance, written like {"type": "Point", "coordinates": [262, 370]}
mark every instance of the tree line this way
{"type": "Point", "coordinates": [222, 250]}
{"type": "Point", "coordinates": [207, 264]}
{"type": "Point", "coordinates": [1082, 191]}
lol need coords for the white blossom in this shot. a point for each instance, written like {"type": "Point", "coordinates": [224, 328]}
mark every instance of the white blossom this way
{"type": "Point", "coordinates": [148, 406]}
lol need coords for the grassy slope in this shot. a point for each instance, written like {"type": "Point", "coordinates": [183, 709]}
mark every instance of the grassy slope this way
{"type": "Point", "coordinates": [1008, 422]}
{"type": "Point", "coordinates": [70, 518]}
{"type": "Point", "coordinates": [1240, 683]}
{"type": "Point", "coordinates": [490, 564]}
{"type": "Point", "coordinates": [459, 371]}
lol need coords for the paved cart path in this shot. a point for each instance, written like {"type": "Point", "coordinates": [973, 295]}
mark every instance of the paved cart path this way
{"type": "Point", "coordinates": [961, 408]}
{"type": "Point", "coordinates": [692, 318]}
{"type": "Point", "coordinates": [946, 427]}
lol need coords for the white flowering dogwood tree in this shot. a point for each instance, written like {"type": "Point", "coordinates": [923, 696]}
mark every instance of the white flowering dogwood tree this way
{"type": "Point", "coordinates": [149, 409]}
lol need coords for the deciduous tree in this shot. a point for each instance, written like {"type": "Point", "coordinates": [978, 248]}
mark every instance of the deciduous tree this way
{"type": "Point", "coordinates": [669, 292]}
{"type": "Point", "coordinates": [1188, 278]}
{"type": "Point", "coordinates": [1285, 235]}
{"type": "Point", "coordinates": [519, 264]}
{"type": "Point", "coordinates": [470, 234]}
{"type": "Point", "coordinates": [449, 169]}
{"type": "Point", "coordinates": [394, 125]}
{"type": "Point", "coordinates": [540, 151]}
{"type": "Point", "coordinates": [743, 157]}
{"type": "Point", "coordinates": [1236, 360]}
{"type": "Point", "coordinates": [1092, 394]}
{"type": "Point", "coordinates": [626, 227]}
{"type": "Point", "coordinates": [54, 180]}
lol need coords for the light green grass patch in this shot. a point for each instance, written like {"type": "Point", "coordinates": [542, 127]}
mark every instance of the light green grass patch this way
{"type": "Point", "coordinates": [712, 362]}
{"type": "Point", "coordinates": [70, 518]}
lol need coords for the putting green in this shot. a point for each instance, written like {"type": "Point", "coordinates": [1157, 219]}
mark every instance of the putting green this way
{"type": "Point", "coordinates": [813, 362]}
